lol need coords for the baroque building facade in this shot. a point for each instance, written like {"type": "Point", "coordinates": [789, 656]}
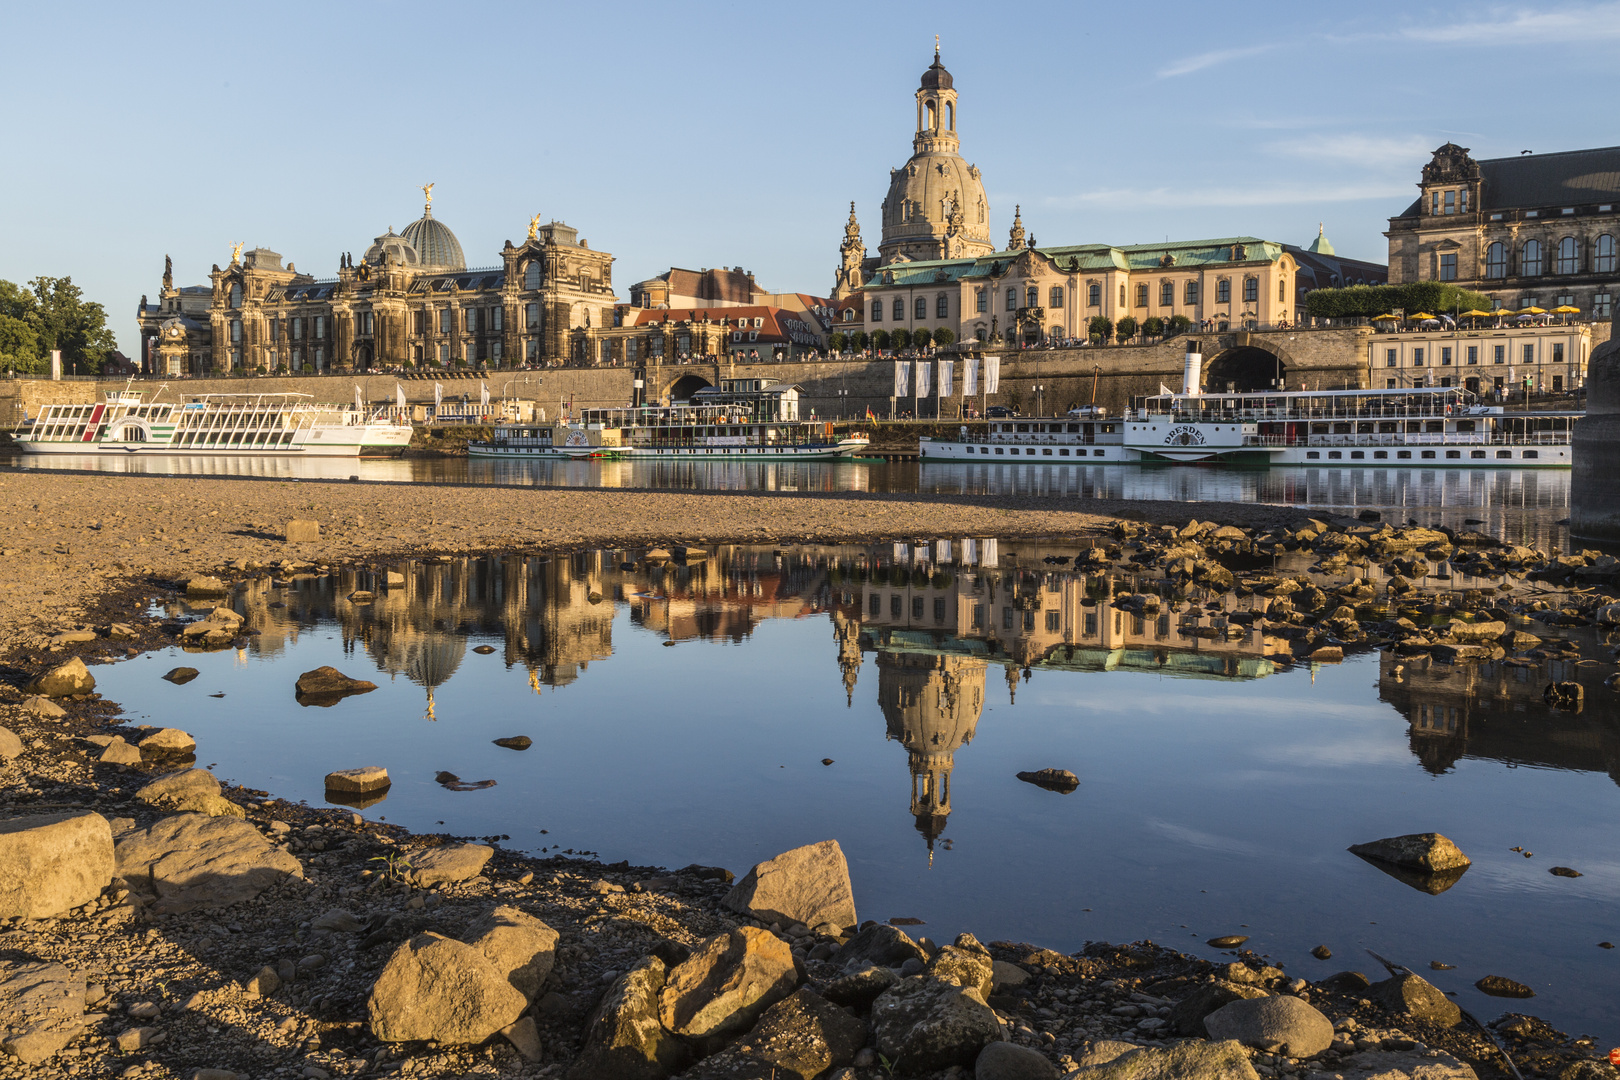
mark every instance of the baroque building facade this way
{"type": "Point", "coordinates": [1536, 230]}
{"type": "Point", "coordinates": [410, 300]}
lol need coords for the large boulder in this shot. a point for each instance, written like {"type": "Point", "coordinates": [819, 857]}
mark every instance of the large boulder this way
{"type": "Point", "coordinates": [1404, 1065]}
{"type": "Point", "coordinates": [41, 1009]}
{"type": "Point", "coordinates": [860, 988]}
{"type": "Point", "coordinates": [1429, 852]}
{"type": "Point", "coordinates": [168, 741]}
{"type": "Point", "coordinates": [808, 885]}
{"type": "Point", "coordinates": [1192, 1060]}
{"type": "Point", "coordinates": [1187, 1015]}
{"type": "Point", "coordinates": [924, 1024]}
{"type": "Point", "coordinates": [801, 1037]}
{"type": "Point", "coordinates": [1009, 1061]}
{"type": "Point", "coordinates": [119, 752]}
{"type": "Point", "coordinates": [623, 1037]}
{"type": "Point", "coordinates": [1280, 1022]}
{"type": "Point", "coordinates": [63, 680]}
{"type": "Point", "coordinates": [192, 861]}
{"type": "Point", "coordinates": [880, 944]}
{"type": "Point", "coordinates": [1413, 995]}
{"type": "Point", "coordinates": [727, 982]}
{"type": "Point", "coordinates": [966, 963]}
{"type": "Point", "coordinates": [520, 946]}
{"type": "Point", "coordinates": [326, 686]}
{"type": "Point", "coordinates": [437, 988]}
{"type": "Point", "coordinates": [10, 745]}
{"type": "Point", "coordinates": [449, 864]}
{"type": "Point", "coordinates": [188, 790]}
{"type": "Point", "coordinates": [50, 863]}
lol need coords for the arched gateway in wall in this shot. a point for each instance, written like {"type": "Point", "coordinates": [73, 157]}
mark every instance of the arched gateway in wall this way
{"type": "Point", "coordinates": [1246, 368]}
{"type": "Point", "coordinates": [684, 387]}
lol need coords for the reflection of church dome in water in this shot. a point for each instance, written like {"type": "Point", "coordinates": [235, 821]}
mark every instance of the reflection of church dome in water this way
{"type": "Point", "coordinates": [931, 705]}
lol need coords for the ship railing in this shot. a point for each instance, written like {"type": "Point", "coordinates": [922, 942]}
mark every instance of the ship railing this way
{"type": "Point", "coordinates": [1427, 438]}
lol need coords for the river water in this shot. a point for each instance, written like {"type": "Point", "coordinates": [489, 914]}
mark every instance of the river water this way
{"type": "Point", "coordinates": [681, 713]}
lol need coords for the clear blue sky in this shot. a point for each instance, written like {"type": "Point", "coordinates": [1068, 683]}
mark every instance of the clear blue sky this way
{"type": "Point", "coordinates": [727, 134]}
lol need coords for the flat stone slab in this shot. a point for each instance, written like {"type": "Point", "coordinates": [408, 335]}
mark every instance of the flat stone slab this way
{"type": "Point", "coordinates": [361, 780]}
{"type": "Point", "coordinates": [191, 861]}
{"type": "Point", "coordinates": [450, 863]}
{"type": "Point", "coordinates": [41, 1009]}
{"type": "Point", "coordinates": [50, 863]}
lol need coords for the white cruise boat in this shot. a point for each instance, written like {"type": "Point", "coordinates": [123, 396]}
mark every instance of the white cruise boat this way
{"type": "Point", "coordinates": [212, 424]}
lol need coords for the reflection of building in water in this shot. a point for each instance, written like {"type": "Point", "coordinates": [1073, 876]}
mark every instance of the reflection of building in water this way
{"type": "Point", "coordinates": [847, 632]}
{"type": "Point", "coordinates": [725, 597]}
{"type": "Point", "coordinates": [931, 705]}
{"type": "Point", "coordinates": [1497, 712]}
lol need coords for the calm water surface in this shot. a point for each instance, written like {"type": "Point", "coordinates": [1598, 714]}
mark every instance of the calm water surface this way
{"type": "Point", "coordinates": [680, 713]}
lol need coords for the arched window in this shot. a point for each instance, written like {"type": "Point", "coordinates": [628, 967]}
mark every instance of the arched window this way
{"type": "Point", "coordinates": [1167, 294]}
{"type": "Point", "coordinates": [1032, 297]}
{"type": "Point", "coordinates": [1190, 294]}
{"type": "Point", "coordinates": [1568, 261]}
{"type": "Point", "coordinates": [950, 115]}
{"type": "Point", "coordinates": [1603, 255]}
{"type": "Point", "coordinates": [1094, 296]}
{"type": "Point", "coordinates": [1496, 260]}
{"type": "Point", "coordinates": [531, 275]}
{"type": "Point", "coordinates": [1282, 289]}
{"type": "Point", "coordinates": [899, 309]}
{"type": "Point", "coordinates": [981, 299]}
{"type": "Point", "coordinates": [236, 295]}
{"type": "Point", "coordinates": [932, 120]}
{"type": "Point", "coordinates": [1012, 299]}
{"type": "Point", "coordinates": [942, 306]}
{"type": "Point", "coordinates": [1530, 262]}
{"type": "Point", "coordinates": [1251, 290]}
{"type": "Point", "coordinates": [1223, 291]}
{"type": "Point", "coordinates": [919, 308]}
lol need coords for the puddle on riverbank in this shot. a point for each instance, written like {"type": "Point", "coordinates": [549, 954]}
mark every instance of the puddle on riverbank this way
{"type": "Point", "coordinates": [680, 713]}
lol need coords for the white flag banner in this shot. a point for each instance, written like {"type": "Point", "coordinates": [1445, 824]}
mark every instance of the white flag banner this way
{"type": "Point", "coordinates": [989, 555]}
{"type": "Point", "coordinates": [947, 369]}
{"type": "Point", "coordinates": [359, 405]}
{"type": "Point", "coordinates": [970, 376]}
{"type": "Point", "coordinates": [483, 393]}
{"type": "Point", "coordinates": [970, 551]}
{"type": "Point", "coordinates": [924, 370]}
{"type": "Point", "coordinates": [942, 551]}
{"type": "Point", "coordinates": [438, 397]}
{"type": "Point", "coordinates": [902, 377]}
{"type": "Point", "coordinates": [992, 374]}
{"type": "Point", "coordinates": [399, 395]}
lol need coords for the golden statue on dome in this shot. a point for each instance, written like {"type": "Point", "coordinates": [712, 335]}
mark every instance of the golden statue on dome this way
{"type": "Point", "coordinates": [427, 193]}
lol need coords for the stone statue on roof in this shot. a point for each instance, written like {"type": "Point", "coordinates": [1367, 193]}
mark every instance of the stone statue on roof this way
{"type": "Point", "coordinates": [236, 253]}
{"type": "Point", "coordinates": [534, 227]}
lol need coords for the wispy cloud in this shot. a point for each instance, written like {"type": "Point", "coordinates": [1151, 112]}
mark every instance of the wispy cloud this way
{"type": "Point", "coordinates": [1367, 151]}
{"type": "Point", "coordinates": [1508, 26]}
{"type": "Point", "coordinates": [1210, 59]}
{"type": "Point", "coordinates": [1279, 195]}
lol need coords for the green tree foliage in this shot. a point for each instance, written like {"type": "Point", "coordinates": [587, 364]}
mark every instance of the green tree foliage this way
{"type": "Point", "coordinates": [880, 339]}
{"type": "Point", "coordinates": [861, 340]}
{"type": "Point", "coordinates": [836, 341]}
{"type": "Point", "coordinates": [1153, 326]}
{"type": "Point", "coordinates": [1365, 301]}
{"type": "Point", "coordinates": [1126, 329]}
{"type": "Point", "coordinates": [921, 337]}
{"type": "Point", "coordinates": [900, 339]}
{"type": "Point", "coordinates": [1179, 324]}
{"type": "Point", "coordinates": [944, 336]}
{"type": "Point", "coordinates": [52, 314]}
{"type": "Point", "coordinates": [1100, 328]}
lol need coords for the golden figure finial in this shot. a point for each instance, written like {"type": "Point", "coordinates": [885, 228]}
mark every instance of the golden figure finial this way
{"type": "Point", "coordinates": [534, 227]}
{"type": "Point", "coordinates": [236, 253]}
{"type": "Point", "coordinates": [427, 193]}
{"type": "Point", "coordinates": [936, 46]}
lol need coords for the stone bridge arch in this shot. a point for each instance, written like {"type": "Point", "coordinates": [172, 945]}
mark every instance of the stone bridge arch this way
{"type": "Point", "coordinates": [1249, 363]}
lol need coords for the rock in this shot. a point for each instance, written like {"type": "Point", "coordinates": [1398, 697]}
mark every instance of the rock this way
{"type": "Point", "coordinates": [1428, 852]}
{"type": "Point", "coordinates": [515, 742]}
{"type": "Point", "coordinates": [483, 650]}
{"type": "Point", "coordinates": [623, 1037]}
{"type": "Point", "coordinates": [217, 1074]}
{"type": "Point", "coordinates": [50, 863]}
{"type": "Point", "coordinates": [1565, 695]}
{"type": "Point", "coordinates": [217, 627]}
{"type": "Point", "coordinates": [1415, 996]}
{"type": "Point", "coordinates": [518, 945]}
{"type": "Point", "coordinates": [193, 790]}
{"type": "Point", "coordinates": [1187, 1015]}
{"type": "Point", "coordinates": [1300, 1030]}
{"type": "Point", "coordinates": [1184, 1061]}
{"type": "Point", "coordinates": [64, 680]}
{"type": "Point", "coordinates": [119, 752]}
{"type": "Point", "coordinates": [1102, 1051]}
{"type": "Point", "coordinates": [10, 745]}
{"type": "Point", "coordinates": [192, 861]}
{"type": "Point", "coordinates": [132, 1039]}
{"type": "Point", "coordinates": [1497, 986]}
{"type": "Point", "coordinates": [966, 963]}
{"type": "Point", "coordinates": [41, 1009]}
{"type": "Point", "coordinates": [1403, 1065]}
{"type": "Point", "coordinates": [206, 586]}
{"type": "Point", "coordinates": [925, 1024]}
{"type": "Point", "coordinates": [1346, 982]}
{"type": "Point", "coordinates": [524, 1035]}
{"type": "Point", "coordinates": [326, 686]}
{"type": "Point", "coordinates": [801, 1037]}
{"type": "Point", "coordinates": [1006, 975]}
{"type": "Point", "coordinates": [449, 864]}
{"type": "Point", "coordinates": [808, 885]}
{"type": "Point", "coordinates": [861, 988]}
{"type": "Point", "coordinates": [302, 531]}
{"type": "Point", "coordinates": [1061, 781]}
{"type": "Point", "coordinates": [181, 675]}
{"type": "Point", "coordinates": [393, 579]}
{"type": "Point", "coordinates": [1475, 632]}
{"type": "Point", "coordinates": [1327, 654]}
{"type": "Point", "coordinates": [361, 780]}
{"type": "Point", "coordinates": [168, 741]}
{"type": "Point", "coordinates": [43, 706]}
{"type": "Point", "coordinates": [1558, 871]}
{"type": "Point", "coordinates": [1229, 941]}
{"type": "Point", "coordinates": [265, 983]}
{"type": "Point", "coordinates": [1433, 884]}
{"type": "Point", "coordinates": [880, 944]}
{"type": "Point", "coordinates": [435, 987]}
{"type": "Point", "coordinates": [1007, 1061]}
{"type": "Point", "coordinates": [338, 921]}
{"type": "Point", "coordinates": [1322, 952]}
{"type": "Point", "coordinates": [727, 982]}
{"type": "Point", "coordinates": [122, 632]}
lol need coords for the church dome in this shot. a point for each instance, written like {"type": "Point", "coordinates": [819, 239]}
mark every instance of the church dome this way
{"type": "Point", "coordinates": [936, 77]}
{"type": "Point", "coordinates": [435, 243]}
{"type": "Point", "coordinates": [923, 196]}
{"type": "Point", "coordinates": [399, 250]}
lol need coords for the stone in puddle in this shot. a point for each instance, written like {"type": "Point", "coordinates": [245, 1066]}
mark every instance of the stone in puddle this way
{"type": "Point", "coordinates": [1061, 781]}
{"type": "Point", "coordinates": [1299, 1029]}
{"type": "Point", "coordinates": [326, 686]}
{"type": "Point", "coordinates": [1498, 986]}
{"type": "Point", "coordinates": [1322, 952]}
{"type": "Point", "coordinates": [515, 742]}
{"type": "Point", "coordinates": [50, 863]}
{"type": "Point", "coordinates": [808, 885]}
{"type": "Point", "coordinates": [1564, 871]}
{"type": "Point", "coordinates": [1227, 941]}
{"type": "Point", "coordinates": [364, 779]}
{"type": "Point", "coordinates": [181, 675]}
{"type": "Point", "coordinates": [64, 680]}
{"type": "Point", "coordinates": [1429, 852]}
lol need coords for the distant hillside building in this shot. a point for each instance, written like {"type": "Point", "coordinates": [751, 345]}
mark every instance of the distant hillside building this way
{"type": "Point", "coordinates": [1536, 230]}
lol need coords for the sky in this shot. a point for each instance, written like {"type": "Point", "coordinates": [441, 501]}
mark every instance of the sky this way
{"type": "Point", "coordinates": [726, 134]}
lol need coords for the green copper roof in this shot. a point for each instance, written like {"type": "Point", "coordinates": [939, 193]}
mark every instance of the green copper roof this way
{"type": "Point", "coordinates": [1321, 245]}
{"type": "Point", "coordinates": [1081, 258]}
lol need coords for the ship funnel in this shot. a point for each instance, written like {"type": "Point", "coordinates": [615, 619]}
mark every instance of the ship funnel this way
{"type": "Point", "coordinates": [1192, 374]}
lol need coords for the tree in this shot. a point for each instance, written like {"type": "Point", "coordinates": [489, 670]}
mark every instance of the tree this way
{"type": "Point", "coordinates": [900, 339]}
{"type": "Point", "coordinates": [1100, 328]}
{"type": "Point", "coordinates": [921, 338]}
{"type": "Point", "coordinates": [861, 340]}
{"type": "Point", "coordinates": [68, 322]}
{"type": "Point", "coordinates": [1179, 324]}
{"type": "Point", "coordinates": [1365, 301]}
{"type": "Point", "coordinates": [880, 339]}
{"type": "Point", "coordinates": [944, 336]}
{"type": "Point", "coordinates": [1126, 329]}
{"type": "Point", "coordinates": [835, 341]}
{"type": "Point", "coordinates": [1153, 326]}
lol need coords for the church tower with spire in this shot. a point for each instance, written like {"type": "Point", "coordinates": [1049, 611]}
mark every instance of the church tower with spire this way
{"type": "Point", "coordinates": [850, 277]}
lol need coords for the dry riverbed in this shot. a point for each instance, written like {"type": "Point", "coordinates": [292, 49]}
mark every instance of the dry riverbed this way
{"type": "Point", "coordinates": [280, 982]}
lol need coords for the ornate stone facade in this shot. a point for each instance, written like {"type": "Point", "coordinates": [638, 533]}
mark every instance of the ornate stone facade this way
{"type": "Point", "coordinates": [398, 304]}
{"type": "Point", "coordinates": [1534, 230]}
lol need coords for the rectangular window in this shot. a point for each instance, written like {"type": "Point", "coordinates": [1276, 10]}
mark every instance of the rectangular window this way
{"type": "Point", "coordinates": [1167, 294]}
{"type": "Point", "coordinates": [1055, 296]}
{"type": "Point", "coordinates": [1251, 290]}
{"type": "Point", "coordinates": [1391, 358]}
{"type": "Point", "coordinates": [1223, 291]}
{"type": "Point", "coordinates": [472, 320]}
{"type": "Point", "coordinates": [1445, 356]}
{"type": "Point", "coordinates": [1602, 305]}
{"type": "Point", "coordinates": [1054, 622]}
{"type": "Point", "coordinates": [1141, 296]}
{"type": "Point", "coordinates": [444, 354]}
{"type": "Point", "coordinates": [1448, 266]}
{"type": "Point", "coordinates": [978, 616]}
{"type": "Point", "coordinates": [1500, 355]}
{"type": "Point", "coordinates": [320, 326]}
{"type": "Point", "coordinates": [899, 309]}
{"type": "Point", "coordinates": [1462, 200]}
{"type": "Point", "coordinates": [297, 327]}
{"type": "Point", "coordinates": [1451, 202]}
{"type": "Point", "coordinates": [981, 300]}
{"type": "Point", "coordinates": [919, 309]}
{"type": "Point", "coordinates": [939, 609]}
{"type": "Point", "coordinates": [942, 306]}
{"type": "Point", "coordinates": [1473, 355]}
{"type": "Point", "coordinates": [877, 311]}
{"type": "Point", "coordinates": [917, 607]}
{"type": "Point", "coordinates": [1007, 618]}
{"type": "Point", "coordinates": [447, 321]}
{"type": "Point", "coordinates": [1417, 357]}
{"type": "Point", "coordinates": [495, 318]}
{"type": "Point", "coordinates": [1189, 295]}
{"type": "Point", "coordinates": [495, 350]}
{"type": "Point", "coordinates": [1558, 352]}
{"type": "Point", "coordinates": [1093, 296]}
{"type": "Point", "coordinates": [1434, 202]}
{"type": "Point", "coordinates": [1012, 299]}
{"type": "Point", "coordinates": [1528, 353]}
{"type": "Point", "coordinates": [1091, 624]}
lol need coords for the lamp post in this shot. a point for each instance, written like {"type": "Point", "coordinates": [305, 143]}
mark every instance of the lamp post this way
{"type": "Point", "coordinates": [843, 402]}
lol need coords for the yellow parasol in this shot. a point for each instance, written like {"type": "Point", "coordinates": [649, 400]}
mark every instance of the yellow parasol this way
{"type": "Point", "coordinates": [1477, 314]}
{"type": "Point", "coordinates": [1532, 310]}
{"type": "Point", "coordinates": [1565, 309]}
{"type": "Point", "coordinates": [1421, 315]}
{"type": "Point", "coordinates": [1381, 318]}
